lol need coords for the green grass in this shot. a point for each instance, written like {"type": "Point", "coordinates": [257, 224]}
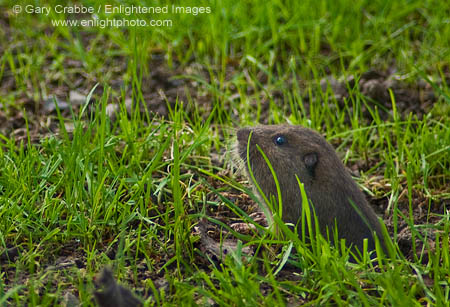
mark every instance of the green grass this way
{"type": "Point", "coordinates": [129, 192]}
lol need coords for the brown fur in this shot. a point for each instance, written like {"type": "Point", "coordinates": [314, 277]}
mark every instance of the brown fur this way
{"type": "Point", "coordinates": [328, 184]}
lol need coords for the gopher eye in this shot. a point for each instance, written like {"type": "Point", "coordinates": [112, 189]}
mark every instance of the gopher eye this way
{"type": "Point", "coordinates": [280, 140]}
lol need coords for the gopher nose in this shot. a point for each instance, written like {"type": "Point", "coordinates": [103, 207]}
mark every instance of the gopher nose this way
{"type": "Point", "coordinates": [242, 135]}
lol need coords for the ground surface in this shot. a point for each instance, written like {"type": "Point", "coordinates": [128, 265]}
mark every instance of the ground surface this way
{"type": "Point", "coordinates": [44, 92]}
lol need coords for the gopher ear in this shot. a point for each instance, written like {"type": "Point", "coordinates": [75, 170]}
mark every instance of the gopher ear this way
{"type": "Point", "coordinates": [310, 161]}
